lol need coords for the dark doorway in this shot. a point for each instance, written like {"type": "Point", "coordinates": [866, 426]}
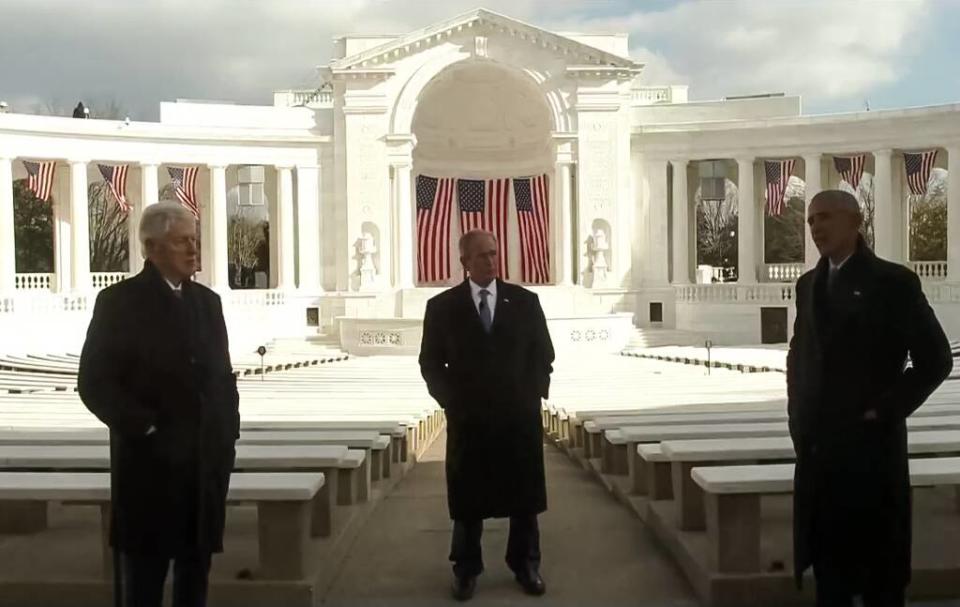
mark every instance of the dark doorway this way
{"type": "Point", "coordinates": [773, 325]}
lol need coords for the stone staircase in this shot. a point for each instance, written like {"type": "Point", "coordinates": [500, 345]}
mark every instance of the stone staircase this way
{"type": "Point", "coordinates": [645, 337]}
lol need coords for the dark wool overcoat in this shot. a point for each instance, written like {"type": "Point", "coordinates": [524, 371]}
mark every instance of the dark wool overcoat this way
{"type": "Point", "coordinates": [152, 358]}
{"type": "Point", "coordinates": [847, 356]}
{"type": "Point", "coordinates": [490, 387]}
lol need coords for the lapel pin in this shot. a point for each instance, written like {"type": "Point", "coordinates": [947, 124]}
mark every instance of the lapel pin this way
{"type": "Point", "coordinates": [505, 300]}
{"type": "Point", "coordinates": [856, 293]}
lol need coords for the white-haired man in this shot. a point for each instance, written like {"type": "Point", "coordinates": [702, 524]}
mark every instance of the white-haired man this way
{"type": "Point", "coordinates": [486, 356]}
{"type": "Point", "coordinates": [156, 370]}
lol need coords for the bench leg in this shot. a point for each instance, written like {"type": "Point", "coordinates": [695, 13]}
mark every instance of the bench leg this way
{"type": "Point", "coordinates": [637, 470]}
{"type": "Point", "coordinates": [576, 436]}
{"type": "Point", "coordinates": [323, 506]}
{"type": "Point", "coordinates": [20, 517]}
{"type": "Point", "coordinates": [659, 481]}
{"type": "Point", "coordinates": [376, 469]}
{"type": "Point", "coordinates": [596, 442]}
{"type": "Point", "coordinates": [688, 498]}
{"type": "Point", "coordinates": [283, 536]}
{"type": "Point", "coordinates": [406, 444]}
{"type": "Point", "coordinates": [354, 485]}
{"type": "Point", "coordinates": [733, 528]}
{"type": "Point", "coordinates": [385, 464]}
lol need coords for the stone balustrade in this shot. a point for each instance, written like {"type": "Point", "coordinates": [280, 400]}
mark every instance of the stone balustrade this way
{"type": "Point", "coordinates": [734, 293]}
{"type": "Point", "coordinates": [930, 270]}
{"type": "Point", "coordinates": [102, 280]}
{"type": "Point", "coordinates": [782, 272]}
{"type": "Point", "coordinates": [34, 281]}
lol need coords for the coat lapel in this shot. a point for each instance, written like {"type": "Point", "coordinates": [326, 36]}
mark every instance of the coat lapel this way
{"type": "Point", "coordinates": [503, 314]}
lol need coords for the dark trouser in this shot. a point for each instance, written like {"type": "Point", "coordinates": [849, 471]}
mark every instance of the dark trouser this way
{"type": "Point", "coordinates": [523, 545]}
{"type": "Point", "coordinates": [144, 576]}
{"type": "Point", "coordinates": [835, 592]}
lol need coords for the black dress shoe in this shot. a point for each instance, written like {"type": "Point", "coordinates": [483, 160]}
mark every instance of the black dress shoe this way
{"type": "Point", "coordinates": [531, 581]}
{"type": "Point", "coordinates": [464, 586]}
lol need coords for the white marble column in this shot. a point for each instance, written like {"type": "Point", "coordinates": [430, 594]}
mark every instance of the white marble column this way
{"type": "Point", "coordinates": [8, 256]}
{"type": "Point", "coordinates": [285, 228]}
{"type": "Point", "coordinates": [655, 264]}
{"type": "Point", "coordinates": [308, 228]}
{"type": "Point", "coordinates": [746, 223]}
{"type": "Point", "coordinates": [681, 224]}
{"type": "Point", "coordinates": [953, 214]}
{"type": "Point", "coordinates": [149, 194]}
{"type": "Point", "coordinates": [564, 192]}
{"type": "Point", "coordinates": [884, 218]}
{"type": "Point", "coordinates": [216, 266]}
{"type": "Point", "coordinates": [813, 185]}
{"type": "Point", "coordinates": [405, 212]}
{"type": "Point", "coordinates": [79, 227]}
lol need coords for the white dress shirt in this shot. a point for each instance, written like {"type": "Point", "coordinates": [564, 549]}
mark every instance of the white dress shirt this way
{"type": "Point", "coordinates": [836, 266]}
{"type": "Point", "coordinates": [491, 299]}
{"type": "Point", "coordinates": [177, 289]}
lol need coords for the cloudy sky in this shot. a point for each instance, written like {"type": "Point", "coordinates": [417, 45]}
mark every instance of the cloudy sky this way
{"type": "Point", "coordinates": [836, 54]}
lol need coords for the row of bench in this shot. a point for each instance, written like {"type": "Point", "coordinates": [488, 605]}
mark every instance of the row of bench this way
{"type": "Point", "coordinates": [310, 451]}
{"type": "Point", "coordinates": [698, 474]}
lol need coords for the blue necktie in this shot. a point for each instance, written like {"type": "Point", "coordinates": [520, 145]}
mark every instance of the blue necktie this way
{"type": "Point", "coordinates": [485, 318]}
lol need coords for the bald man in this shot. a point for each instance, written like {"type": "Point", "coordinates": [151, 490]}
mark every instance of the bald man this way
{"type": "Point", "coordinates": [849, 395]}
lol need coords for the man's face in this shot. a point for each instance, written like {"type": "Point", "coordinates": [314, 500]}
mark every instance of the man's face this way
{"type": "Point", "coordinates": [480, 260]}
{"type": "Point", "coordinates": [833, 229]}
{"type": "Point", "coordinates": [175, 254]}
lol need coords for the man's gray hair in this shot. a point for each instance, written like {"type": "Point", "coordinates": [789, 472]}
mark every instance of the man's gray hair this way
{"type": "Point", "coordinates": [157, 219]}
{"type": "Point", "coordinates": [839, 199]}
{"type": "Point", "coordinates": [468, 239]}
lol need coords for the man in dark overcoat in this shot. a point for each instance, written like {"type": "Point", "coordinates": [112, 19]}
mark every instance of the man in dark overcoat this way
{"type": "Point", "coordinates": [486, 356]}
{"type": "Point", "coordinates": [850, 392]}
{"type": "Point", "coordinates": [156, 370]}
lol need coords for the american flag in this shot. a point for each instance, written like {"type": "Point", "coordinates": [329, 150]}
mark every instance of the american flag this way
{"type": "Point", "coordinates": [185, 180]}
{"type": "Point", "coordinates": [116, 178]}
{"type": "Point", "coordinates": [778, 174]}
{"type": "Point", "coordinates": [483, 206]}
{"type": "Point", "coordinates": [533, 196]}
{"type": "Point", "coordinates": [434, 202]}
{"type": "Point", "coordinates": [40, 177]}
{"type": "Point", "coordinates": [918, 170]}
{"type": "Point", "coordinates": [850, 168]}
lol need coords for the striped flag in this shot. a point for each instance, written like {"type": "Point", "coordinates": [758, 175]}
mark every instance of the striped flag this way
{"type": "Point", "coordinates": [434, 203]}
{"type": "Point", "coordinates": [483, 206]}
{"type": "Point", "coordinates": [40, 177]}
{"type": "Point", "coordinates": [918, 168]}
{"type": "Point", "coordinates": [116, 178]}
{"type": "Point", "coordinates": [777, 174]}
{"type": "Point", "coordinates": [533, 194]}
{"type": "Point", "coordinates": [850, 168]}
{"type": "Point", "coordinates": [185, 180]}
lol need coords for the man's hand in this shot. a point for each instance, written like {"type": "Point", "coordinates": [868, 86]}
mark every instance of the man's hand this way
{"type": "Point", "coordinates": [870, 415]}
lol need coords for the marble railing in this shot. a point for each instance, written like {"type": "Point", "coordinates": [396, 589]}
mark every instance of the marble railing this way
{"type": "Point", "coordinates": [782, 272]}
{"type": "Point", "coordinates": [930, 270]}
{"type": "Point", "coordinates": [305, 97]}
{"type": "Point", "coordinates": [102, 280]}
{"type": "Point", "coordinates": [33, 281]}
{"type": "Point", "coordinates": [734, 293]}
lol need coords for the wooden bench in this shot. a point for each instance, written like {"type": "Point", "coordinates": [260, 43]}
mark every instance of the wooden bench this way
{"type": "Point", "coordinates": [284, 504]}
{"type": "Point", "coordinates": [733, 504]}
{"type": "Point", "coordinates": [684, 456]}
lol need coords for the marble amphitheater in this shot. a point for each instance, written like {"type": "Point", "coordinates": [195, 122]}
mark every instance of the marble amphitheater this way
{"type": "Point", "coordinates": [668, 463]}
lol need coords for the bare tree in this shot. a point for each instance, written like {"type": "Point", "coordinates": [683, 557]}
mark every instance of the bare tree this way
{"type": "Point", "coordinates": [246, 237]}
{"type": "Point", "coordinates": [716, 228]}
{"type": "Point", "coordinates": [109, 232]}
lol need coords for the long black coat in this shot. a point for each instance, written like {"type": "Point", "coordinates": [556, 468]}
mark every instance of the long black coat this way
{"type": "Point", "coordinates": [847, 356]}
{"type": "Point", "coordinates": [490, 388]}
{"type": "Point", "coordinates": [151, 358]}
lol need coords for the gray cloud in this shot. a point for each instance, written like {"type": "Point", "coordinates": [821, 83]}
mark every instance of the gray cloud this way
{"type": "Point", "coordinates": [141, 53]}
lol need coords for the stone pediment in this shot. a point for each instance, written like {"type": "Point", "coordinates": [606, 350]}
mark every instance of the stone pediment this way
{"type": "Point", "coordinates": [485, 24]}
